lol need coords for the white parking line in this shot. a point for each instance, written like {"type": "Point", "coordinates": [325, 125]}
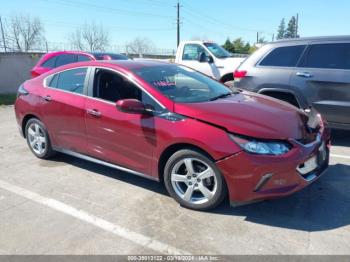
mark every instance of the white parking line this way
{"type": "Point", "coordinates": [93, 220]}
{"type": "Point", "coordinates": [340, 156]}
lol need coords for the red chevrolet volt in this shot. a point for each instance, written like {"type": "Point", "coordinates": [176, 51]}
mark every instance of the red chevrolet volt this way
{"type": "Point", "coordinates": [171, 124]}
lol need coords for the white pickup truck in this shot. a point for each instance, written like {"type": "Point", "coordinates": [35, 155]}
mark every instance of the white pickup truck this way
{"type": "Point", "coordinates": [209, 58]}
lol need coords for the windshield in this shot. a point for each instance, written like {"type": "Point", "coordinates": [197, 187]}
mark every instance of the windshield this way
{"type": "Point", "coordinates": [217, 50]}
{"type": "Point", "coordinates": [182, 84]}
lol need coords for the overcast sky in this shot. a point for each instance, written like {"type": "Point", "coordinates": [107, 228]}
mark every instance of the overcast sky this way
{"type": "Point", "coordinates": [209, 19]}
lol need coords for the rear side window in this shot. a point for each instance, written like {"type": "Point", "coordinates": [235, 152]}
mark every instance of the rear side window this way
{"type": "Point", "coordinates": [65, 59]}
{"type": "Point", "coordinates": [287, 56]}
{"type": "Point", "coordinates": [332, 56]}
{"type": "Point", "coordinates": [50, 63]}
{"type": "Point", "coordinates": [70, 80]}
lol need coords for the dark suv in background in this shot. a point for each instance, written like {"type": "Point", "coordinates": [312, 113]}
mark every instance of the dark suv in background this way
{"type": "Point", "coordinates": [306, 72]}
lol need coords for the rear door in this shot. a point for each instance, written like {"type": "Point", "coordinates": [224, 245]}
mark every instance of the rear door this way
{"type": "Point", "coordinates": [324, 77]}
{"type": "Point", "coordinates": [63, 108]}
{"type": "Point", "coordinates": [273, 72]}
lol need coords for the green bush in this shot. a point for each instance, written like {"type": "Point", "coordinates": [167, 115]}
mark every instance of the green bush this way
{"type": "Point", "coordinates": [7, 99]}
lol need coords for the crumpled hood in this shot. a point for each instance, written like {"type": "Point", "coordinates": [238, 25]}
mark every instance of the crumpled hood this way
{"type": "Point", "coordinates": [249, 114]}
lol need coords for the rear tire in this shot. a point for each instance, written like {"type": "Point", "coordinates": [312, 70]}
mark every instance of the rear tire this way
{"type": "Point", "coordinates": [193, 180]}
{"type": "Point", "coordinates": [38, 139]}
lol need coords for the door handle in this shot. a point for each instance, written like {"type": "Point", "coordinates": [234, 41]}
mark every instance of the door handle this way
{"type": "Point", "coordinates": [304, 74]}
{"type": "Point", "coordinates": [47, 98]}
{"type": "Point", "coordinates": [94, 112]}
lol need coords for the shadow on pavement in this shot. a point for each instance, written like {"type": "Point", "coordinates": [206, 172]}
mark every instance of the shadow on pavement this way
{"type": "Point", "coordinates": [112, 173]}
{"type": "Point", "coordinates": [324, 205]}
{"type": "Point", "coordinates": [340, 137]}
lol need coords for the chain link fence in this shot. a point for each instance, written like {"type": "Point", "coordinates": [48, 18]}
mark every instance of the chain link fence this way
{"type": "Point", "coordinates": [122, 49]}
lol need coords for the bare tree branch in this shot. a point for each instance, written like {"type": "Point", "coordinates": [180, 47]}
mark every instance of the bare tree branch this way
{"type": "Point", "coordinates": [90, 37]}
{"type": "Point", "coordinates": [24, 33]}
{"type": "Point", "coordinates": [140, 46]}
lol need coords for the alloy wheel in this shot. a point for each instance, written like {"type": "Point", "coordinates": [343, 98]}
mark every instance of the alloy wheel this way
{"type": "Point", "coordinates": [193, 180]}
{"type": "Point", "coordinates": [37, 138]}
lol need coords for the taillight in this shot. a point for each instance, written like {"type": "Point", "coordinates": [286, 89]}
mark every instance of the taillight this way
{"type": "Point", "coordinates": [239, 74]}
{"type": "Point", "coordinates": [22, 91]}
{"type": "Point", "coordinates": [34, 74]}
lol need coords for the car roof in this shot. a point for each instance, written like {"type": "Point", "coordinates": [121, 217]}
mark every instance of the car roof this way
{"type": "Point", "coordinates": [81, 53]}
{"type": "Point", "coordinates": [103, 53]}
{"type": "Point", "coordinates": [314, 38]}
{"type": "Point", "coordinates": [132, 64]}
{"type": "Point", "coordinates": [68, 52]}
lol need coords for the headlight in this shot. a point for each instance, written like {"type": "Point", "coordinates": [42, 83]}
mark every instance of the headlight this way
{"type": "Point", "coordinates": [256, 146]}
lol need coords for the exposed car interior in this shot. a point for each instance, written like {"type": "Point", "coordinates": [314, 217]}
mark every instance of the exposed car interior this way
{"type": "Point", "coordinates": [112, 87]}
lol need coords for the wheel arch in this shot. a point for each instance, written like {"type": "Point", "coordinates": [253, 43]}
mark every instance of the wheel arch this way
{"type": "Point", "coordinates": [170, 150]}
{"type": "Point", "coordinates": [227, 77]}
{"type": "Point", "coordinates": [290, 93]}
{"type": "Point", "coordinates": [25, 120]}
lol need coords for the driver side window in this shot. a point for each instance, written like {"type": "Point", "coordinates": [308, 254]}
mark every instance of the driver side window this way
{"type": "Point", "coordinates": [111, 86]}
{"type": "Point", "coordinates": [192, 52]}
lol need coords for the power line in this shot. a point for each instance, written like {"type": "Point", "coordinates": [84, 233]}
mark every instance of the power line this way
{"type": "Point", "coordinates": [121, 28]}
{"type": "Point", "coordinates": [194, 12]}
{"type": "Point", "coordinates": [103, 9]}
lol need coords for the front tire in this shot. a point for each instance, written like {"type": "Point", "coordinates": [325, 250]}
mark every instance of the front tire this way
{"type": "Point", "coordinates": [193, 180]}
{"type": "Point", "coordinates": [38, 139]}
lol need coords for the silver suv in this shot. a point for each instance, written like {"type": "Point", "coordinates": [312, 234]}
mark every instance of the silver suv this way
{"type": "Point", "coordinates": [306, 72]}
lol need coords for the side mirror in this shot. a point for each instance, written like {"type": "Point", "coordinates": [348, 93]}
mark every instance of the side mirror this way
{"type": "Point", "coordinates": [132, 106]}
{"type": "Point", "coordinates": [203, 58]}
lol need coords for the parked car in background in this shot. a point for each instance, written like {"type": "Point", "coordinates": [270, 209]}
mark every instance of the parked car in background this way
{"type": "Point", "coordinates": [208, 58]}
{"type": "Point", "coordinates": [55, 59]}
{"type": "Point", "coordinates": [305, 72]}
{"type": "Point", "coordinates": [172, 124]}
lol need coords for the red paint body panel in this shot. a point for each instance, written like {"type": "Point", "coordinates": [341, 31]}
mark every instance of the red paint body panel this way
{"type": "Point", "coordinates": [138, 141]}
{"type": "Point", "coordinates": [65, 114]}
{"type": "Point", "coordinates": [248, 114]}
{"type": "Point", "coordinates": [243, 172]}
{"type": "Point", "coordinates": [117, 137]}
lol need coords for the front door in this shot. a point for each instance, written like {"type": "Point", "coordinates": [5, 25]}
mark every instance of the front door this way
{"type": "Point", "coordinates": [125, 139]}
{"type": "Point", "coordinates": [190, 58]}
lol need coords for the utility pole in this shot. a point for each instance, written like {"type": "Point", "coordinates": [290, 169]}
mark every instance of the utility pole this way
{"type": "Point", "coordinates": [296, 26]}
{"type": "Point", "coordinates": [257, 37]}
{"type": "Point", "coordinates": [273, 37]}
{"type": "Point", "coordinates": [3, 34]}
{"type": "Point", "coordinates": [178, 22]}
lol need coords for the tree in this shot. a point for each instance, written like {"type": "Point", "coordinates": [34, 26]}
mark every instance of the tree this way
{"type": "Point", "coordinates": [229, 46]}
{"type": "Point", "coordinates": [239, 46]}
{"type": "Point", "coordinates": [24, 33]}
{"type": "Point", "coordinates": [140, 46]}
{"type": "Point", "coordinates": [90, 37]}
{"type": "Point", "coordinates": [281, 31]}
{"type": "Point", "coordinates": [262, 40]}
{"type": "Point", "coordinates": [291, 31]}
{"type": "Point", "coordinates": [252, 49]}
